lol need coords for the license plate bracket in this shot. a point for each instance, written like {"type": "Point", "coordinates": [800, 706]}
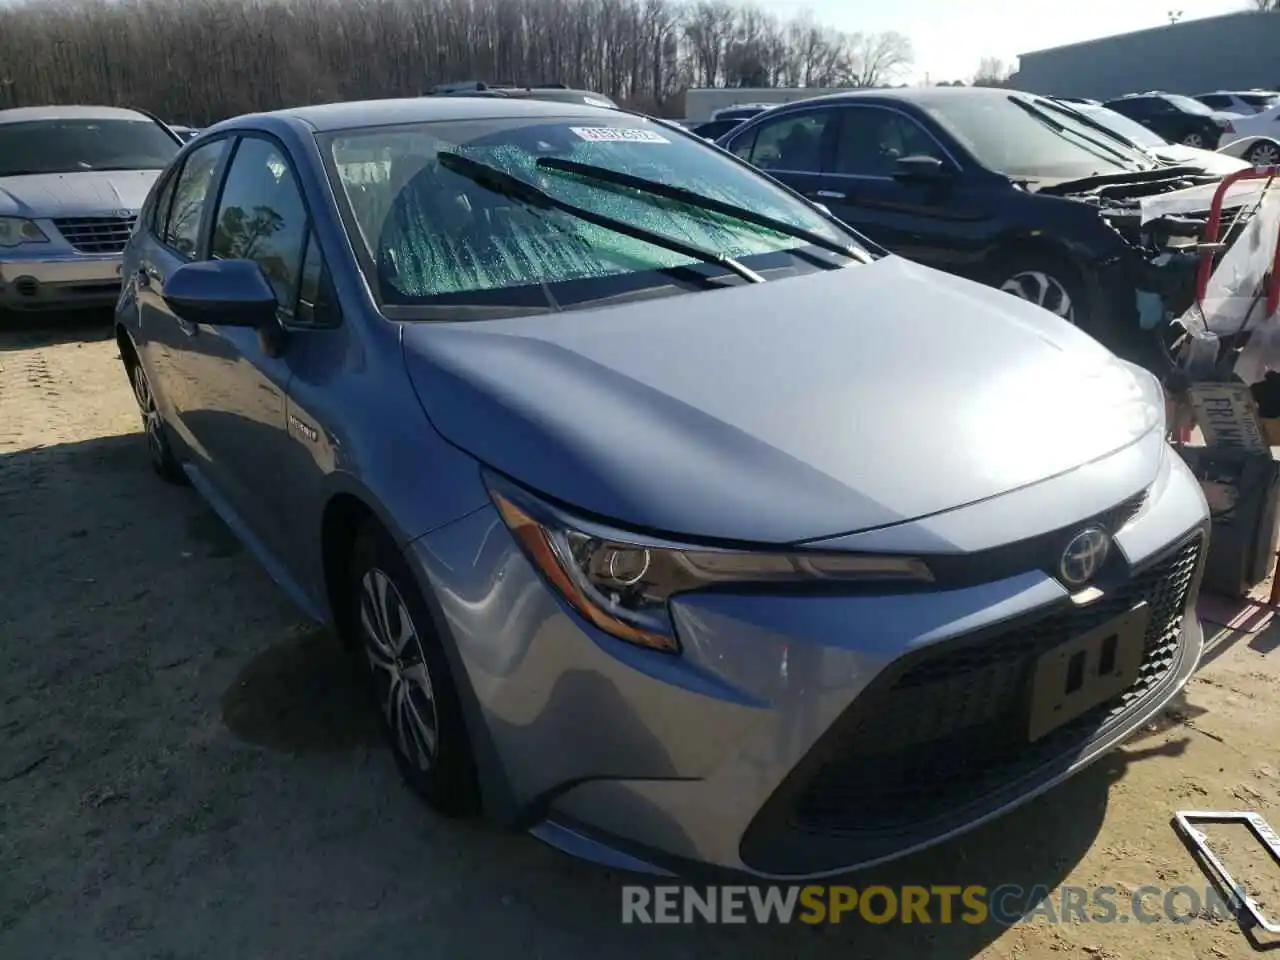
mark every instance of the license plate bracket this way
{"type": "Point", "coordinates": [1087, 670]}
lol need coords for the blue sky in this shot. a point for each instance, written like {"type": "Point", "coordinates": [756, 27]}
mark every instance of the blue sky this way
{"type": "Point", "coordinates": [951, 36]}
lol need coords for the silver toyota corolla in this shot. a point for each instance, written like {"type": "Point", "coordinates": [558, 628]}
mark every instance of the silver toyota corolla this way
{"type": "Point", "coordinates": [676, 522]}
{"type": "Point", "coordinates": [71, 182]}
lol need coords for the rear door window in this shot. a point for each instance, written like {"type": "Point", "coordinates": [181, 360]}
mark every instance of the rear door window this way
{"type": "Point", "coordinates": [792, 142]}
{"type": "Point", "coordinates": [182, 229]}
{"type": "Point", "coordinates": [157, 216]}
{"type": "Point", "coordinates": [1259, 101]}
{"type": "Point", "coordinates": [1139, 108]}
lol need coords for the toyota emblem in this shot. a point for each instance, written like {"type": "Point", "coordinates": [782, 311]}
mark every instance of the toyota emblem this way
{"type": "Point", "coordinates": [1084, 556]}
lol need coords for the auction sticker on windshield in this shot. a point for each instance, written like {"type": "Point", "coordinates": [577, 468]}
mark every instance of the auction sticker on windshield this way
{"type": "Point", "coordinates": [619, 135]}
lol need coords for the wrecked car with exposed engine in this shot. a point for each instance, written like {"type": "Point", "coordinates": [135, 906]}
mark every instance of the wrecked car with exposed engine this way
{"type": "Point", "coordinates": [1002, 187]}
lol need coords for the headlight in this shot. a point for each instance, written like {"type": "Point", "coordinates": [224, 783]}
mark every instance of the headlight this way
{"type": "Point", "coordinates": [623, 585]}
{"type": "Point", "coordinates": [15, 230]}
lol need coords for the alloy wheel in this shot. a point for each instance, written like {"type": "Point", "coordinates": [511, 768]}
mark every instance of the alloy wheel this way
{"type": "Point", "coordinates": [400, 674]}
{"type": "Point", "coordinates": [1264, 154]}
{"type": "Point", "coordinates": [1042, 290]}
{"type": "Point", "coordinates": [1193, 140]}
{"type": "Point", "coordinates": [152, 425]}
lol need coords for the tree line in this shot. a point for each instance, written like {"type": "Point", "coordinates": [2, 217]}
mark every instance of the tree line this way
{"type": "Point", "coordinates": [202, 60]}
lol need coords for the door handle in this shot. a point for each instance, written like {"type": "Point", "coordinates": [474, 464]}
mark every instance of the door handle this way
{"type": "Point", "coordinates": [830, 195]}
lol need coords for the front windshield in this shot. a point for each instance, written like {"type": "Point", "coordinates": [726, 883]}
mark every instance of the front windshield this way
{"type": "Point", "coordinates": [1131, 130]}
{"type": "Point", "coordinates": [434, 238]}
{"type": "Point", "coordinates": [75, 146]}
{"type": "Point", "coordinates": [1007, 138]}
{"type": "Point", "coordinates": [1187, 104]}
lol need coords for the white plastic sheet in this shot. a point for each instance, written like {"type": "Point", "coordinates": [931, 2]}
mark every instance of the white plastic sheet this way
{"type": "Point", "coordinates": [1234, 300]}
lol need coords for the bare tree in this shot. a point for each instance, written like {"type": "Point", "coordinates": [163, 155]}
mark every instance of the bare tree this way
{"type": "Point", "coordinates": [992, 72]}
{"type": "Point", "coordinates": [202, 60]}
{"type": "Point", "coordinates": [710, 27]}
{"type": "Point", "coordinates": [1267, 6]}
{"type": "Point", "coordinates": [877, 59]}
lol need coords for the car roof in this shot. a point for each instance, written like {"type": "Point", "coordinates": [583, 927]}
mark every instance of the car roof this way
{"type": "Point", "coordinates": [376, 113]}
{"type": "Point", "coordinates": [921, 96]}
{"type": "Point", "coordinates": [27, 114]}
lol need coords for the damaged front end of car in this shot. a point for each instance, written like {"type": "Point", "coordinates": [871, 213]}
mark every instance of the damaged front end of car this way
{"type": "Point", "coordinates": [1161, 216]}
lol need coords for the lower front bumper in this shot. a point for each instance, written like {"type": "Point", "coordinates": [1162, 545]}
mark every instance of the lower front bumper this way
{"type": "Point", "coordinates": [938, 743]}
{"type": "Point", "coordinates": [808, 828]}
{"type": "Point", "coordinates": [59, 282]}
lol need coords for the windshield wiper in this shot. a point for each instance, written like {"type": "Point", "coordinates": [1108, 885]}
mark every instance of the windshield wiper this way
{"type": "Point", "coordinates": [501, 182]}
{"type": "Point", "coordinates": [1093, 124]}
{"type": "Point", "coordinates": [694, 199]}
{"type": "Point", "coordinates": [1063, 130]}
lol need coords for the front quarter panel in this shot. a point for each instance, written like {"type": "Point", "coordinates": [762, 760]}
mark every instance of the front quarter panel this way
{"type": "Point", "coordinates": [352, 408]}
{"type": "Point", "coordinates": [1077, 228]}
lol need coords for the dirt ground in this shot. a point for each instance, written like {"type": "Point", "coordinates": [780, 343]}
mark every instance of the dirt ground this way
{"type": "Point", "coordinates": [187, 769]}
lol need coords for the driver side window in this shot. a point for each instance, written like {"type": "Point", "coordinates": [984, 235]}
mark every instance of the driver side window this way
{"type": "Point", "coordinates": [872, 140]}
{"type": "Point", "coordinates": [261, 217]}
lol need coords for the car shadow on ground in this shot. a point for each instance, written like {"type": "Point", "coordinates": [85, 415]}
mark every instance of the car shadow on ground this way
{"type": "Point", "coordinates": [194, 743]}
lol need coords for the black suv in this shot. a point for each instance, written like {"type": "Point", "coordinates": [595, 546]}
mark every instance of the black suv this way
{"type": "Point", "coordinates": [549, 91]}
{"type": "Point", "coordinates": [1177, 118]}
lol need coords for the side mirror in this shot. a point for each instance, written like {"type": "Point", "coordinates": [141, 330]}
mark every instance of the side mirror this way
{"type": "Point", "coordinates": [228, 293]}
{"type": "Point", "coordinates": [921, 169]}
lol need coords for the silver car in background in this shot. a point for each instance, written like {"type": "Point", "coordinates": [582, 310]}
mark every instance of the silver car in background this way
{"type": "Point", "coordinates": [71, 182]}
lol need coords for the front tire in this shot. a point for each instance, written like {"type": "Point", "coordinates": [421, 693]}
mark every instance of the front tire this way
{"type": "Point", "coordinates": [410, 677]}
{"type": "Point", "coordinates": [1047, 281]}
{"type": "Point", "coordinates": [1193, 139]}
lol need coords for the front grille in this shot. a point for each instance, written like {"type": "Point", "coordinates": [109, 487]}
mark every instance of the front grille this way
{"type": "Point", "coordinates": [948, 727]}
{"type": "Point", "coordinates": [96, 234]}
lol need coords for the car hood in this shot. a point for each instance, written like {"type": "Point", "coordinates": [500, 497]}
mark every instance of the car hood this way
{"type": "Point", "coordinates": [1218, 164]}
{"type": "Point", "coordinates": [785, 411]}
{"type": "Point", "coordinates": [88, 193]}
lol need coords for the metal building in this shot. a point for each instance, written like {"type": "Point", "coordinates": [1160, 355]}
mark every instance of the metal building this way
{"type": "Point", "coordinates": [1237, 51]}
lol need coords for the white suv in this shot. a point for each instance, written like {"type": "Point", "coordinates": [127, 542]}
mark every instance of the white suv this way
{"type": "Point", "coordinates": [1243, 102]}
